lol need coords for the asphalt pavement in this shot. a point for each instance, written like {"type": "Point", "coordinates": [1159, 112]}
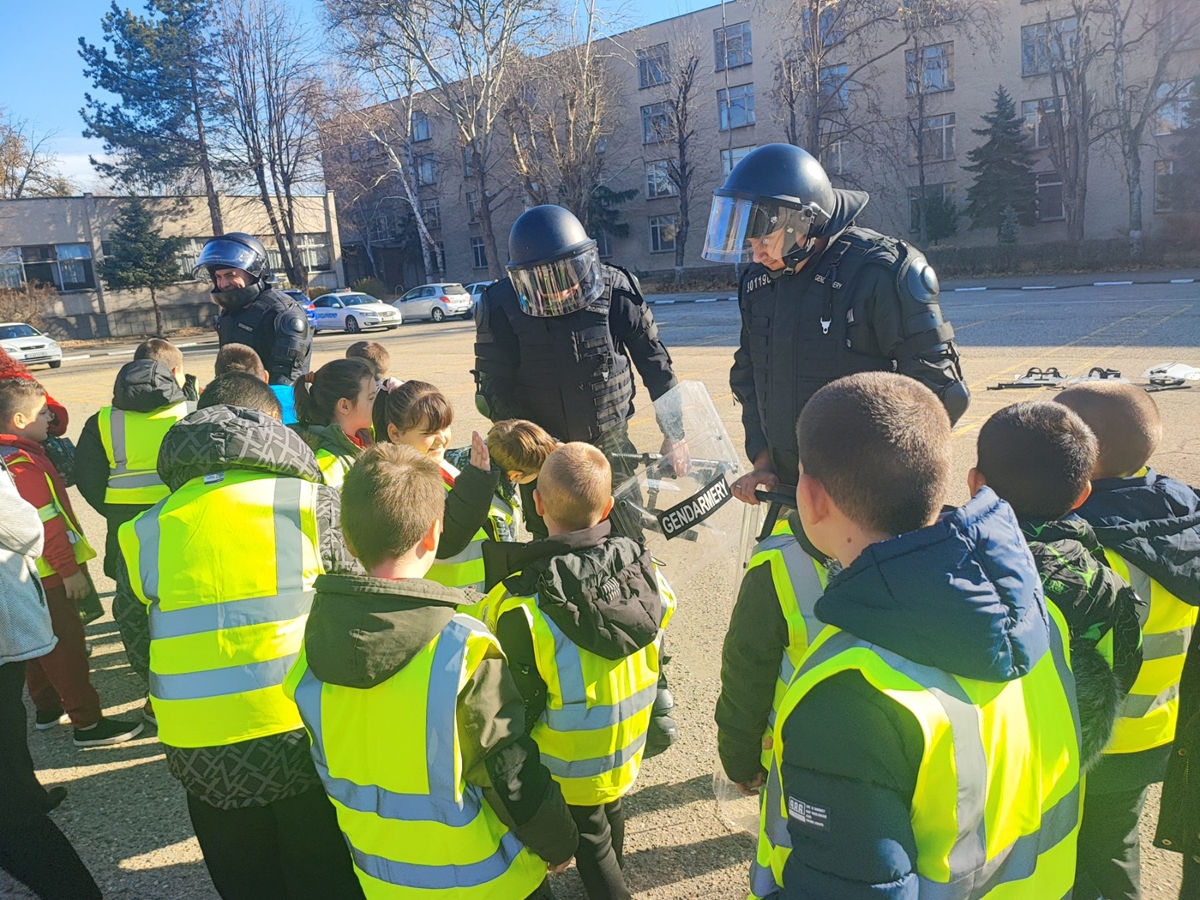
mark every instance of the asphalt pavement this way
{"type": "Point", "coordinates": [127, 816]}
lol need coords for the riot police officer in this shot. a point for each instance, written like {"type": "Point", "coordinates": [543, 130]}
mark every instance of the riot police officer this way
{"type": "Point", "coordinates": [556, 338]}
{"type": "Point", "coordinates": [821, 299]}
{"type": "Point", "coordinates": [252, 312]}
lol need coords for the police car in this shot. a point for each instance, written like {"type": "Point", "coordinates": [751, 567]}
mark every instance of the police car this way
{"type": "Point", "coordinates": [351, 312]}
{"type": "Point", "coordinates": [26, 344]}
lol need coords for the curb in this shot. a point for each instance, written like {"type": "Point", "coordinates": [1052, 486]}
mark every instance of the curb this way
{"type": "Point", "coordinates": [1058, 287]}
{"type": "Point", "coordinates": [732, 299]}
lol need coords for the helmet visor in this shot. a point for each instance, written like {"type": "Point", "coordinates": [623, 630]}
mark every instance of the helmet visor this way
{"type": "Point", "coordinates": [738, 227]}
{"type": "Point", "coordinates": [222, 254]}
{"type": "Point", "coordinates": [559, 287]}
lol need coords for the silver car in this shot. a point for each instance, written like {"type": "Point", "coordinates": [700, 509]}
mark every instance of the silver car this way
{"type": "Point", "coordinates": [26, 344]}
{"type": "Point", "coordinates": [476, 289]}
{"type": "Point", "coordinates": [435, 301]}
{"type": "Point", "coordinates": [351, 312]}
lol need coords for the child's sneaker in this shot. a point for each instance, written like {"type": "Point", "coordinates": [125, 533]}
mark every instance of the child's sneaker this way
{"type": "Point", "coordinates": [107, 732]}
{"type": "Point", "coordinates": [51, 718]}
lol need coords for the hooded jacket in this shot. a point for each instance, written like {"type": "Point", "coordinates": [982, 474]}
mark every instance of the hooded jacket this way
{"type": "Point", "coordinates": [332, 439]}
{"type": "Point", "coordinates": [364, 630]}
{"type": "Point", "coordinates": [222, 439]}
{"type": "Point", "coordinates": [963, 596]}
{"type": "Point", "coordinates": [25, 631]}
{"type": "Point", "coordinates": [143, 386]}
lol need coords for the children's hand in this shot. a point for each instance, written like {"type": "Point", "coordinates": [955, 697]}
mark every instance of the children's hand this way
{"type": "Point", "coordinates": [480, 458]}
{"type": "Point", "coordinates": [559, 869]}
{"type": "Point", "coordinates": [677, 456]}
{"type": "Point", "coordinates": [76, 586]}
{"type": "Point", "coordinates": [753, 786]}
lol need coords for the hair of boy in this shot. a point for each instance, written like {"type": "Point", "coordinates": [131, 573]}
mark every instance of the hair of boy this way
{"type": "Point", "coordinates": [575, 485]}
{"type": "Point", "coordinates": [1038, 456]}
{"type": "Point", "coordinates": [391, 497]}
{"type": "Point", "coordinates": [242, 390]}
{"type": "Point", "coordinates": [373, 354]}
{"type": "Point", "coordinates": [239, 358]}
{"type": "Point", "coordinates": [17, 395]}
{"type": "Point", "coordinates": [415, 404]}
{"type": "Point", "coordinates": [1124, 419]}
{"type": "Point", "coordinates": [518, 445]}
{"type": "Point", "coordinates": [161, 351]}
{"type": "Point", "coordinates": [879, 444]}
{"type": "Point", "coordinates": [318, 393]}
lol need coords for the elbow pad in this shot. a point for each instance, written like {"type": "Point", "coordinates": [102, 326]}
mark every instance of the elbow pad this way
{"type": "Point", "coordinates": [293, 341]}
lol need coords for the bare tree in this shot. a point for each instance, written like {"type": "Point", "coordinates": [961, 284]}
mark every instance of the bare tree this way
{"type": "Point", "coordinates": [273, 99]}
{"type": "Point", "coordinates": [1138, 30]}
{"type": "Point", "coordinates": [28, 168]}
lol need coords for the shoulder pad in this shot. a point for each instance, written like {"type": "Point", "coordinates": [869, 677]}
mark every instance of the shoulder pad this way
{"type": "Point", "coordinates": [613, 274]}
{"type": "Point", "coordinates": [291, 320]}
{"type": "Point", "coordinates": [917, 279]}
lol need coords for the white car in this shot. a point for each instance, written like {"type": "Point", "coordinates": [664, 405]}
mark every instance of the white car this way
{"type": "Point", "coordinates": [26, 344]}
{"type": "Point", "coordinates": [351, 313]}
{"type": "Point", "coordinates": [476, 289]}
{"type": "Point", "coordinates": [436, 301]}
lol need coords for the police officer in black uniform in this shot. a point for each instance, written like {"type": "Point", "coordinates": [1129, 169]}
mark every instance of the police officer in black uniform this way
{"type": "Point", "coordinates": [822, 299]}
{"type": "Point", "coordinates": [252, 312]}
{"type": "Point", "coordinates": [555, 340]}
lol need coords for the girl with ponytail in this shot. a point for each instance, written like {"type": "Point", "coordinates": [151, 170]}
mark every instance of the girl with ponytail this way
{"type": "Point", "coordinates": [333, 406]}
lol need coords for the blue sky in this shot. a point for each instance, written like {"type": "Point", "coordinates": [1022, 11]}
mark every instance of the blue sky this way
{"type": "Point", "coordinates": [41, 74]}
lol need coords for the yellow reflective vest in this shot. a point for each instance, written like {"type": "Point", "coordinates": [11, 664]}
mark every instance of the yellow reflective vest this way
{"type": "Point", "coordinates": [1150, 712]}
{"type": "Point", "coordinates": [131, 441]}
{"type": "Point", "coordinates": [53, 510]}
{"type": "Point", "coordinates": [390, 759]}
{"type": "Point", "coordinates": [998, 798]}
{"type": "Point", "coordinates": [592, 733]}
{"type": "Point", "coordinates": [465, 569]}
{"type": "Point", "coordinates": [226, 565]}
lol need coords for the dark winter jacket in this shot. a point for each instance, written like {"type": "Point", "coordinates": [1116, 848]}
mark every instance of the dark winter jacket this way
{"type": "Point", "coordinates": [143, 386]}
{"type": "Point", "coordinates": [364, 630]}
{"type": "Point", "coordinates": [598, 588]}
{"type": "Point", "coordinates": [467, 507]}
{"type": "Point", "coordinates": [221, 439]}
{"type": "Point", "coordinates": [962, 596]}
{"type": "Point", "coordinates": [1099, 606]}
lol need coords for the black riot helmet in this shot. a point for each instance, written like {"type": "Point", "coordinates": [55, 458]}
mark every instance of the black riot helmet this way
{"type": "Point", "coordinates": [777, 192]}
{"type": "Point", "coordinates": [554, 265]}
{"type": "Point", "coordinates": [235, 250]}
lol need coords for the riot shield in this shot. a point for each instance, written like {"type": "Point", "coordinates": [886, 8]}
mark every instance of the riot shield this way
{"type": "Point", "coordinates": [681, 504]}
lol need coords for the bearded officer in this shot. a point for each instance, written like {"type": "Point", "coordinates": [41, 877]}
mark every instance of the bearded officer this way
{"type": "Point", "coordinates": [252, 312]}
{"type": "Point", "coordinates": [822, 299]}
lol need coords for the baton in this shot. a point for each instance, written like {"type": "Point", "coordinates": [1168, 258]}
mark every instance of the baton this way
{"type": "Point", "coordinates": [778, 500]}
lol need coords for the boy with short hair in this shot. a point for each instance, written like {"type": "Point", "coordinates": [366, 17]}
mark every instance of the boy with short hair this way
{"type": "Point", "coordinates": [519, 449]}
{"type": "Point", "coordinates": [928, 744]}
{"type": "Point", "coordinates": [1039, 457]}
{"type": "Point", "coordinates": [60, 680]}
{"type": "Point", "coordinates": [377, 357]}
{"type": "Point", "coordinates": [162, 351]}
{"type": "Point", "coordinates": [581, 623]}
{"type": "Point", "coordinates": [239, 358]}
{"type": "Point", "coordinates": [1149, 526]}
{"type": "Point", "coordinates": [404, 698]}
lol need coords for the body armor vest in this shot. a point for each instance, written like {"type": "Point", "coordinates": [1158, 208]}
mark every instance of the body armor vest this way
{"type": "Point", "coordinates": [244, 325]}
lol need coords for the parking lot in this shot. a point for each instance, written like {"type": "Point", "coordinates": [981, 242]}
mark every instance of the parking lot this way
{"type": "Point", "coordinates": [127, 816]}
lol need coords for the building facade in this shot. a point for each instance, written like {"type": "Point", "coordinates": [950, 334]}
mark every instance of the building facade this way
{"type": "Point", "coordinates": [868, 139]}
{"type": "Point", "coordinates": [59, 242]}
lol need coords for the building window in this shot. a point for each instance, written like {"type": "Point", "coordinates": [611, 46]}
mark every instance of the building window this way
{"type": "Point", "coordinates": [658, 180]}
{"type": "Point", "coordinates": [478, 254]}
{"type": "Point", "coordinates": [943, 193]}
{"type": "Point", "coordinates": [1047, 44]}
{"type": "Point", "coordinates": [603, 244]}
{"type": "Point", "coordinates": [1041, 120]}
{"type": "Point", "coordinates": [11, 275]}
{"type": "Point", "coordinates": [733, 46]}
{"type": "Point", "coordinates": [1172, 111]}
{"type": "Point", "coordinates": [730, 158]}
{"type": "Point", "coordinates": [935, 70]}
{"type": "Point", "coordinates": [189, 252]}
{"type": "Point", "coordinates": [736, 106]}
{"type": "Point", "coordinates": [656, 124]}
{"type": "Point", "coordinates": [426, 169]}
{"type": "Point", "coordinates": [833, 159]}
{"type": "Point", "coordinates": [835, 87]}
{"type": "Point", "coordinates": [468, 163]}
{"type": "Point", "coordinates": [381, 228]}
{"type": "Point", "coordinates": [829, 24]}
{"type": "Point", "coordinates": [67, 267]}
{"type": "Point", "coordinates": [314, 252]}
{"type": "Point", "coordinates": [938, 134]}
{"type": "Point", "coordinates": [602, 145]}
{"type": "Point", "coordinates": [1164, 199]}
{"type": "Point", "coordinates": [654, 64]}
{"type": "Point", "coordinates": [662, 234]}
{"type": "Point", "coordinates": [431, 212]}
{"type": "Point", "coordinates": [419, 125]}
{"type": "Point", "coordinates": [473, 206]}
{"type": "Point", "coordinates": [1048, 191]}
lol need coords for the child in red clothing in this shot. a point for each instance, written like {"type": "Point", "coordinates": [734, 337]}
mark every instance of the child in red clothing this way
{"type": "Point", "coordinates": [59, 680]}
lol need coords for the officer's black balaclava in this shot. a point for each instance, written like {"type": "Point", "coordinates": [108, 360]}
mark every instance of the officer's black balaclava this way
{"type": "Point", "coordinates": [238, 297]}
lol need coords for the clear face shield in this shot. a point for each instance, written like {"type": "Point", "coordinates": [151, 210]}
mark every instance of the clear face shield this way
{"type": "Point", "coordinates": [559, 287]}
{"type": "Point", "coordinates": [741, 230]}
{"type": "Point", "coordinates": [219, 254]}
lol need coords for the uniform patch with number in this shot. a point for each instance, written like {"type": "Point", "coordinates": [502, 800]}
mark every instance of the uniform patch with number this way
{"type": "Point", "coordinates": [758, 281]}
{"type": "Point", "coordinates": [808, 813]}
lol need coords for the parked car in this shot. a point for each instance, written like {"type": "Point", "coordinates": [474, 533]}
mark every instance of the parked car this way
{"type": "Point", "coordinates": [351, 312]}
{"type": "Point", "coordinates": [299, 296]}
{"type": "Point", "coordinates": [26, 344]}
{"type": "Point", "coordinates": [436, 301]}
{"type": "Point", "coordinates": [476, 289]}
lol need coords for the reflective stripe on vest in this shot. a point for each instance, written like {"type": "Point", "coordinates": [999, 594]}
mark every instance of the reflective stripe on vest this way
{"type": "Point", "coordinates": [972, 808]}
{"type": "Point", "coordinates": [592, 732]}
{"type": "Point", "coordinates": [53, 510]}
{"type": "Point", "coordinates": [131, 441]}
{"type": "Point", "coordinates": [390, 759]}
{"type": "Point", "coordinates": [1151, 710]}
{"type": "Point", "coordinates": [333, 470]}
{"type": "Point", "coordinates": [225, 627]}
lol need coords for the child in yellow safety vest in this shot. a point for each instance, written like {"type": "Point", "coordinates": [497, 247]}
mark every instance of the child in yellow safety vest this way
{"type": "Point", "coordinates": [333, 406]}
{"type": "Point", "coordinates": [519, 449]}
{"type": "Point", "coordinates": [60, 680]}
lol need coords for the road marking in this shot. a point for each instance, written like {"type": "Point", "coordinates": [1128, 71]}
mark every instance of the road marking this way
{"type": "Point", "coordinates": [1110, 283]}
{"type": "Point", "coordinates": [663, 302]}
{"type": "Point", "coordinates": [1039, 287]}
{"type": "Point", "coordinates": [81, 356]}
{"type": "Point", "coordinates": [966, 290]}
{"type": "Point", "coordinates": [121, 352]}
{"type": "Point", "coordinates": [707, 300]}
{"type": "Point", "coordinates": [1183, 281]}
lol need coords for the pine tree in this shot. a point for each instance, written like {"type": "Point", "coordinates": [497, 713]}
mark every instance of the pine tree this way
{"type": "Point", "coordinates": [1184, 184]}
{"type": "Point", "coordinates": [1003, 167]}
{"type": "Point", "coordinates": [139, 257]}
